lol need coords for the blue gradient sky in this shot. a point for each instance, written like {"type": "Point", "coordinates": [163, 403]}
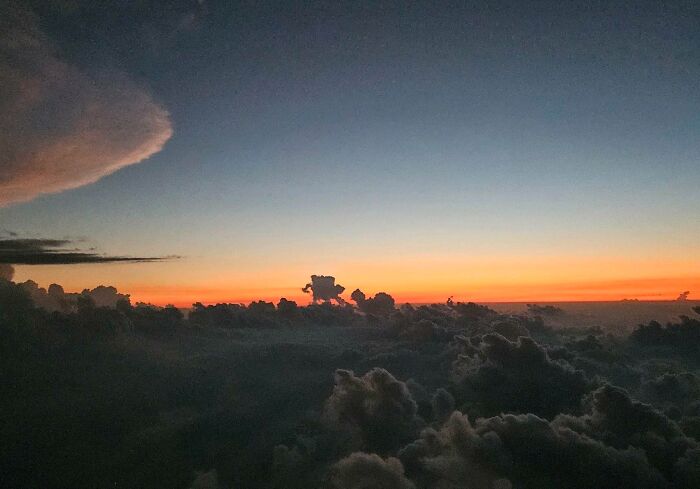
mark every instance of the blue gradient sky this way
{"type": "Point", "coordinates": [317, 135]}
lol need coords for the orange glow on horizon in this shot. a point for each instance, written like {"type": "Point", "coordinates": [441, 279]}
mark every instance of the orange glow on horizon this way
{"type": "Point", "coordinates": [408, 278]}
{"type": "Point", "coordinates": [653, 289]}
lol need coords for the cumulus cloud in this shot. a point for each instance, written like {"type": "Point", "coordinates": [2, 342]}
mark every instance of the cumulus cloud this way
{"type": "Point", "coordinates": [382, 304]}
{"type": "Point", "coordinates": [7, 271]}
{"type": "Point", "coordinates": [680, 390]}
{"type": "Point", "coordinates": [56, 299]}
{"type": "Point", "coordinates": [377, 410]}
{"type": "Point", "coordinates": [524, 451]}
{"type": "Point", "coordinates": [517, 376]}
{"type": "Point", "coordinates": [683, 337]}
{"type": "Point", "coordinates": [443, 404]}
{"type": "Point", "coordinates": [368, 471]}
{"type": "Point", "coordinates": [620, 421]}
{"type": "Point", "coordinates": [35, 251]}
{"type": "Point", "coordinates": [61, 127]}
{"type": "Point", "coordinates": [324, 289]}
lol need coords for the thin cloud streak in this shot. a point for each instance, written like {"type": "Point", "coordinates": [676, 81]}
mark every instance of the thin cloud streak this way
{"type": "Point", "coordinates": [33, 251]}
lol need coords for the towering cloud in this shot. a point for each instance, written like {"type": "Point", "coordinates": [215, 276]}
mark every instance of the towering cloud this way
{"type": "Point", "coordinates": [60, 127]}
{"type": "Point", "coordinates": [324, 289]}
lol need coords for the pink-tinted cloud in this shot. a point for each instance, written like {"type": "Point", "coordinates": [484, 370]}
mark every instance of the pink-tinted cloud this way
{"type": "Point", "coordinates": [60, 127]}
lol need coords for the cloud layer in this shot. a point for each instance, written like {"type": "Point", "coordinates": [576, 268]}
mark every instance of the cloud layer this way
{"type": "Point", "coordinates": [60, 127]}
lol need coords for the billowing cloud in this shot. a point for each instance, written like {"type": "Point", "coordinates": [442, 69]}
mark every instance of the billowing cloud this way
{"type": "Point", "coordinates": [620, 421]}
{"type": "Point", "coordinates": [368, 471]}
{"type": "Point", "coordinates": [381, 304]}
{"type": "Point", "coordinates": [491, 380]}
{"type": "Point", "coordinates": [61, 127]}
{"type": "Point", "coordinates": [376, 409]}
{"type": "Point", "coordinates": [681, 389]}
{"type": "Point", "coordinates": [522, 451]}
{"type": "Point", "coordinates": [32, 251]}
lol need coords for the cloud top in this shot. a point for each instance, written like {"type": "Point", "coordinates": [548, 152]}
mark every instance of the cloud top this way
{"type": "Point", "coordinates": [61, 127]}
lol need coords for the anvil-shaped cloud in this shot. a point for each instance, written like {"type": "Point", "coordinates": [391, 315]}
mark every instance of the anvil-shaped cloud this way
{"type": "Point", "coordinates": [60, 127]}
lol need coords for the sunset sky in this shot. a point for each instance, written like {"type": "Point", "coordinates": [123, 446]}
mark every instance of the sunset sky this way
{"type": "Point", "coordinates": [483, 150]}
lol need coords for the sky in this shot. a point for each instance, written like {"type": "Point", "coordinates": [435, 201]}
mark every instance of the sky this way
{"type": "Point", "coordinates": [490, 151]}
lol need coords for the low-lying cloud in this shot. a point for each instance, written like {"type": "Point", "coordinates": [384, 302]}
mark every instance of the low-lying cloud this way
{"type": "Point", "coordinates": [61, 127]}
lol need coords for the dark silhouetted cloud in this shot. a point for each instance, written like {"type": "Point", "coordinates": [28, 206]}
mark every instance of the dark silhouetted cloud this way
{"type": "Point", "coordinates": [33, 251]}
{"type": "Point", "coordinates": [60, 127]}
{"type": "Point", "coordinates": [381, 304]}
{"type": "Point", "coordinates": [491, 380]}
{"type": "Point", "coordinates": [56, 299]}
{"type": "Point", "coordinates": [324, 289]}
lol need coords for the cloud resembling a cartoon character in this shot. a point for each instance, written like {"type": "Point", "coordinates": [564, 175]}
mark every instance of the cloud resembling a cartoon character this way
{"type": "Point", "coordinates": [324, 289]}
{"type": "Point", "coordinates": [34, 251]}
{"type": "Point", "coordinates": [60, 127]}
